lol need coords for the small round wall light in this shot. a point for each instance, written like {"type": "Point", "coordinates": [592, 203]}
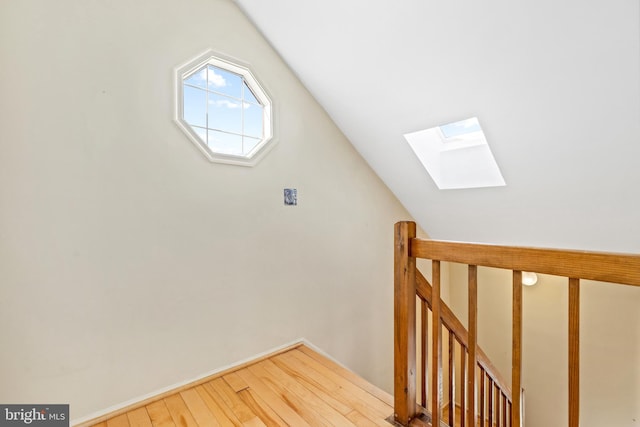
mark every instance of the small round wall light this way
{"type": "Point", "coordinates": [529, 279]}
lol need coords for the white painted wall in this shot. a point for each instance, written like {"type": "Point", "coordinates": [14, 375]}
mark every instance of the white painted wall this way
{"type": "Point", "coordinates": [128, 262]}
{"type": "Point", "coordinates": [554, 84]}
{"type": "Point", "coordinates": [610, 345]}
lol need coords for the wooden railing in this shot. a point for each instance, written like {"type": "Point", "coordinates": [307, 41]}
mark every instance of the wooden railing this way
{"type": "Point", "coordinates": [488, 400]}
{"type": "Point", "coordinates": [494, 401]}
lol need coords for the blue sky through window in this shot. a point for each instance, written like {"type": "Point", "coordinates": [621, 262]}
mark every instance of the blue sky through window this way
{"type": "Point", "coordinates": [462, 127]}
{"type": "Point", "coordinates": [223, 111]}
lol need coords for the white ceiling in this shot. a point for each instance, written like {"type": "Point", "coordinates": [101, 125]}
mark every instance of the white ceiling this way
{"type": "Point", "coordinates": [555, 84]}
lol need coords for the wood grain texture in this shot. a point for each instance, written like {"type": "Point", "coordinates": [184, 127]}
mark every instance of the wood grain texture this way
{"type": "Point", "coordinates": [451, 396]}
{"type": "Point", "coordinates": [600, 266]}
{"type": "Point", "coordinates": [317, 409]}
{"type": "Point", "coordinates": [349, 389]}
{"type": "Point", "coordinates": [198, 408]}
{"type": "Point", "coordinates": [341, 373]}
{"type": "Point", "coordinates": [424, 327]}
{"type": "Point", "coordinates": [463, 382]}
{"type": "Point", "coordinates": [423, 289]}
{"type": "Point", "coordinates": [472, 344]}
{"type": "Point", "coordinates": [436, 346]}
{"type": "Point", "coordinates": [490, 401]}
{"type": "Point", "coordinates": [481, 396]}
{"type": "Point", "coordinates": [220, 390]}
{"type": "Point", "coordinates": [505, 416]}
{"type": "Point", "coordinates": [574, 352]}
{"type": "Point", "coordinates": [298, 388]}
{"type": "Point", "coordinates": [288, 412]}
{"type": "Point", "coordinates": [498, 408]}
{"type": "Point", "coordinates": [576, 265]}
{"type": "Point", "coordinates": [308, 378]}
{"type": "Point", "coordinates": [139, 418]}
{"type": "Point", "coordinates": [404, 324]}
{"type": "Point", "coordinates": [160, 396]}
{"type": "Point", "coordinates": [119, 421]}
{"type": "Point", "coordinates": [268, 416]}
{"type": "Point", "coordinates": [159, 414]}
{"type": "Point", "coordinates": [217, 409]}
{"type": "Point", "coordinates": [516, 349]}
{"type": "Point", "coordinates": [179, 412]}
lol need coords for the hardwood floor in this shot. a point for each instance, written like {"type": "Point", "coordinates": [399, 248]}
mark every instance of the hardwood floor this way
{"type": "Point", "coordinates": [298, 388]}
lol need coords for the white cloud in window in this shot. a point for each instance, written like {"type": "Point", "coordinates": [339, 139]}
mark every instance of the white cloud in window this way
{"type": "Point", "coordinates": [225, 103]}
{"type": "Point", "coordinates": [216, 79]}
{"type": "Point", "coordinates": [201, 76]}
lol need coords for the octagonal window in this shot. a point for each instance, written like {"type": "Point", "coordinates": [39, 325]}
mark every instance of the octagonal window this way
{"type": "Point", "coordinates": [224, 110]}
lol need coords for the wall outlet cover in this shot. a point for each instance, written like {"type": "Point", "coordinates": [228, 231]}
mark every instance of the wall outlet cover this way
{"type": "Point", "coordinates": [290, 197]}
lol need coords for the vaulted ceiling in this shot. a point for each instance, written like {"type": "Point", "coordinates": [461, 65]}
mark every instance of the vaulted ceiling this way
{"type": "Point", "coordinates": [555, 85]}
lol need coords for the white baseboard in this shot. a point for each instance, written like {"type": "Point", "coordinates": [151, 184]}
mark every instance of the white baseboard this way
{"type": "Point", "coordinates": [150, 395]}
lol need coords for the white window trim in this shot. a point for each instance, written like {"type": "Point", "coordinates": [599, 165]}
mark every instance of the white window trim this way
{"type": "Point", "coordinates": [221, 61]}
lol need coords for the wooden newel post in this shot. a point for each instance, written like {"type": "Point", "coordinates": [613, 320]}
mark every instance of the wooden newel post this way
{"type": "Point", "coordinates": [405, 407]}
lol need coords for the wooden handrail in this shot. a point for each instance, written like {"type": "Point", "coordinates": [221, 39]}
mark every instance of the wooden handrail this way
{"type": "Point", "coordinates": [423, 289]}
{"type": "Point", "coordinates": [604, 267]}
{"type": "Point", "coordinates": [505, 403]}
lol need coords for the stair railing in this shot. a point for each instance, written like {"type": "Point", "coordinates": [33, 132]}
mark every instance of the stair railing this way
{"type": "Point", "coordinates": [489, 399]}
{"type": "Point", "coordinates": [494, 400]}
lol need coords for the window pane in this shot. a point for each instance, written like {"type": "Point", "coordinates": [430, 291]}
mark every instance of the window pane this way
{"type": "Point", "coordinates": [199, 78]}
{"type": "Point", "coordinates": [252, 120]}
{"type": "Point", "coordinates": [224, 109]}
{"type": "Point", "coordinates": [249, 144]}
{"type": "Point", "coordinates": [463, 127]}
{"type": "Point", "coordinates": [195, 106]}
{"type": "Point", "coordinates": [225, 113]}
{"type": "Point", "coordinates": [225, 143]}
{"type": "Point", "coordinates": [225, 82]}
{"type": "Point", "coordinates": [248, 95]}
{"type": "Point", "coordinates": [202, 134]}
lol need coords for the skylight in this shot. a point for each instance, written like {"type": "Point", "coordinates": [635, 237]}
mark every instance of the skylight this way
{"type": "Point", "coordinates": [456, 155]}
{"type": "Point", "coordinates": [463, 127]}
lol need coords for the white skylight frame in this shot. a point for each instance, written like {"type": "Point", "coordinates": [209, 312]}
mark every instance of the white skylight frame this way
{"type": "Point", "coordinates": [457, 158]}
{"type": "Point", "coordinates": [217, 60]}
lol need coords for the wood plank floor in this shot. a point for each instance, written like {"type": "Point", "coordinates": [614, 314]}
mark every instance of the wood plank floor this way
{"type": "Point", "coordinates": [297, 387]}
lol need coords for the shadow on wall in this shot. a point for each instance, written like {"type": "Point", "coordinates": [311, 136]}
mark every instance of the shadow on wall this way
{"type": "Point", "coordinates": [609, 347]}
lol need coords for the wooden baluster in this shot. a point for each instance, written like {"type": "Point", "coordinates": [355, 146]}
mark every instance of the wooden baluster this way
{"type": "Point", "coordinates": [503, 402]}
{"type": "Point", "coordinates": [473, 358]}
{"type": "Point", "coordinates": [498, 407]}
{"type": "Point", "coordinates": [516, 355]}
{"type": "Point", "coordinates": [404, 324]}
{"type": "Point", "coordinates": [452, 379]}
{"type": "Point", "coordinates": [424, 313]}
{"type": "Point", "coordinates": [574, 352]}
{"type": "Point", "coordinates": [505, 407]}
{"type": "Point", "coordinates": [436, 348]}
{"type": "Point", "coordinates": [482, 396]}
{"type": "Point", "coordinates": [490, 402]}
{"type": "Point", "coordinates": [463, 384]}
{"type": "Point", "coordinates": [510, 415]}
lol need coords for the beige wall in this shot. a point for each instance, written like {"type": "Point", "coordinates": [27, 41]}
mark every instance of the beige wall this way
{"type": "Point", "coordinates": [128, 262]}
{"type": "Point", "coordinates": [610, 345]}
